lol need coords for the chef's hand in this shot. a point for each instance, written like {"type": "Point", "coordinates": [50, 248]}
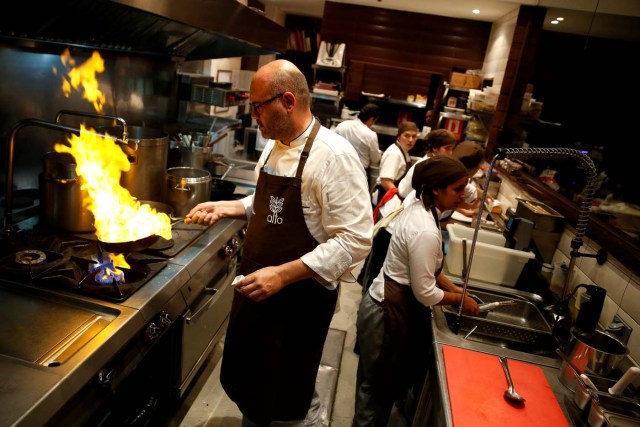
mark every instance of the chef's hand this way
{"type": "Point", "coordinates": [208, 213]}
{"type": "Point", "coordinates": [261, 284]}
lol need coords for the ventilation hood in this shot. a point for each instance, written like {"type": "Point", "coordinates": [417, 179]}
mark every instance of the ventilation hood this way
{"type": "Point", "coordinates": [181, 29]}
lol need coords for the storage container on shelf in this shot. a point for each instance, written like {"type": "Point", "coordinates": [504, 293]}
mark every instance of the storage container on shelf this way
{"type": "Point", "coordinates": [492, 262]}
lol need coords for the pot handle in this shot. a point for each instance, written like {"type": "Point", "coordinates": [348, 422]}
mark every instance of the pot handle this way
{"type": "Point", "coordinates": [182, 185]}
{"type": "Point", "coordinates": [63, 181]}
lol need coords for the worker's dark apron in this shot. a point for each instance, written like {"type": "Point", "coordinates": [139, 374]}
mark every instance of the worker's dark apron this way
{"type": "Point", "coordinates": [408, 163]}
{"type": "Point", "coordinates": [272, 348]}
{"type": "Point", "coordinates": [407, 339]}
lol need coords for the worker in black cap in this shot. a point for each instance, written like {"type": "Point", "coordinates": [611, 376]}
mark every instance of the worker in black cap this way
{"type": "Point", "coordinates": [392, 323]}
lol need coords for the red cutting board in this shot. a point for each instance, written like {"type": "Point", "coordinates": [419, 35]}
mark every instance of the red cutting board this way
{"type": "Point", "coordinates": [477, 383]}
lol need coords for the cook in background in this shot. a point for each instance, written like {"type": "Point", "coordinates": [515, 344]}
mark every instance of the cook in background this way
{"type": "Point", "coordinates": [358, 132]}
{"type": "Point", "coordinates": [439, 141]}
{"type": "Point", "coordinates": [393, 317]}
{"type": "Point", "coordinates": [471, 154]}
{"type": "Point", "coordinates": [310, 224]}
{"type": "Point", "coordinates": [395, 161]}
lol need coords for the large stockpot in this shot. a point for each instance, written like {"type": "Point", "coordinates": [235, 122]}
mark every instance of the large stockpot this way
{"type": "Point", "coordinates": [62, 196]}
{"type": "Point", "coordinates": [147, 150]}
{"type": "Point", "coordinates": [186, 187]}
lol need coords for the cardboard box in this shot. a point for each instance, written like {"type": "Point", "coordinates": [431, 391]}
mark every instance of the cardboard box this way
{"type": "Point", "coordinates": [458, 79]}
{"type": "Point", "coordinates": [464, 80]}
{"type": "Point", "coordinates": [472, 82]}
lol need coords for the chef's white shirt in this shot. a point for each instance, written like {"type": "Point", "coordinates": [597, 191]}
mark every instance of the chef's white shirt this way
{"type": "Point", "coordinates": [414, 254]}
{"type": "Point", "coordinates": [335, 201]}
{"type": "Point", "coordinates": [363, 139]}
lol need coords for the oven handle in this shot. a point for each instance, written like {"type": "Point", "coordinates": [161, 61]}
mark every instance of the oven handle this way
{"type": "Point", "coordinates": [212, 291]}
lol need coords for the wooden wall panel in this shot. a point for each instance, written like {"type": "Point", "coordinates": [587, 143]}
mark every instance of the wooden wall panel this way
{"type": "Point", "coordinates": [432, 44]}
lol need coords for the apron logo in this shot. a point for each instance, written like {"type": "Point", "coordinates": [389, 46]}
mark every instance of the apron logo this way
{"type": "Point", "coordinates": [275, 205]}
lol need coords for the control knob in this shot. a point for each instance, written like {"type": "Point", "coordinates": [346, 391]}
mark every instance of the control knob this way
{"type": "Point", "coordinates": [164, 319]}
{"type": "Point", "coordinates": [153, 331]}
{"type": "Point", "coordinates": [235, 243]}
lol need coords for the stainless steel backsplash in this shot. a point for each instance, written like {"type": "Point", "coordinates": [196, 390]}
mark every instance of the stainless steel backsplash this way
{"type": "Point", "coordinates": [142, 90]}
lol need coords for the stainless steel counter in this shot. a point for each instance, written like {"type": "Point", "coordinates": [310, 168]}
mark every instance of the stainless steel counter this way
{"type": "Point", "coordinates": [31, 393]}
{"type": "Point", "coordinates": [434, 407]}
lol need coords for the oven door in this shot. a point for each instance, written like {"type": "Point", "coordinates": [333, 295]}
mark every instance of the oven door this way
{"type": "Point", "coordinates": [204, 323]}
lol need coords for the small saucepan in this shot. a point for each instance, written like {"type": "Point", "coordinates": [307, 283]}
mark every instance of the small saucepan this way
{"type": "Point", "coordinates": [222, 189]}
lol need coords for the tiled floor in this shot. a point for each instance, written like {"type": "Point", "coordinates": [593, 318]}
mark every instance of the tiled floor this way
{"type": "Point", "coordinates": [207, 405]}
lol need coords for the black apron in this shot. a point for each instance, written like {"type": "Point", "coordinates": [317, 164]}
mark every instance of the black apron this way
{"type": "Point", "coordinates": [408, 163]}
{"type": "Point", "coordinates": [402, 362]}
{"type": "Point", "coordinates": [272, 349]}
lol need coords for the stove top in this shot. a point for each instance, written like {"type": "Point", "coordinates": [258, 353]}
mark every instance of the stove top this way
{"type": "Point", "coordinates": [76, 263]}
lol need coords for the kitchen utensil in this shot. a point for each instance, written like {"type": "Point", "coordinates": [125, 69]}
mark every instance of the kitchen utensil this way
{"type": "Point", "coordinates": [510, 393]}
{"type": "Point", "coordinates": [148, 151]}
{"type": "Point", "coordinates": [626, 379]}
{"type": "Point", "coordinates": [62, 195]}
{"type": "Point", "coordinates": [222, 189]}
{"type": "Point", "coordinates": [493, 305]}
{"type": "Point", "coordinates": [567, 361]}
{"type": "Point", "coordinates": [470, 332]}
{"type": "Point", "coordinates": [588, 382]}
{"type": "Point", "coordinates": [186, 187]}
{"type": "Point", "coordinates": [584, 392]}
{"type": "Point", "coordinates": [131, 246]}
{"type": "Point", "coordinates": [229, 167]}
{"type": "Point", "coordinates": [596, 353]}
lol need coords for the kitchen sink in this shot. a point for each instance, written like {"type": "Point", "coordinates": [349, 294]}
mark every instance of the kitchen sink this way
{"type": "Point", "coordinates": [521, 326]}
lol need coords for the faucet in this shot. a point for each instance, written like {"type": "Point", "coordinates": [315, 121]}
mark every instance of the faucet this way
{"type": "Point", "coordinates": [8, 195]}
{"type": "Point", "coordinates": [583, 213]}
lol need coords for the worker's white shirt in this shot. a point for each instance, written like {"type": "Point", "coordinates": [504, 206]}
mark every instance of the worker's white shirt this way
{"type": "Point", "coordinates": [363, 139]}
{"type": "Point", "coordinates": [335, 201]}
{"type": "Point", "coordinates": [393, 163]}
{"type": "Point", "coordinates": [414, 254]}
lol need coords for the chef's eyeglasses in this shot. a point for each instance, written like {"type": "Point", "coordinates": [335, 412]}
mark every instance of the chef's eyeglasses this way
{"type": "Point", "coordinates": [255, 106]}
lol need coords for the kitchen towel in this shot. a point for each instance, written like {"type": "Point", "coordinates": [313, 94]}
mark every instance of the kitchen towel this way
{"type": "Point", "coordinates": [477, 383]}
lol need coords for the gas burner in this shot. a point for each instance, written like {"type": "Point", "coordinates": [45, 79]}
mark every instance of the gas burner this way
{"type": "Point", "coordinates": [108, 274]}
{"type": "Point", "coordinates": [28, 264]}
{"type": "Point", "coordinates": [31, 257]}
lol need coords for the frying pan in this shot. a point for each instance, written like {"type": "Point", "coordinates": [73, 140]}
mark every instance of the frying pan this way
{"type": "Point", "coordinates": [222, 189]}
{"type": "Point", "coordinates": [132, 246]}
{"type": "Point", "coordinates": [140, 244]}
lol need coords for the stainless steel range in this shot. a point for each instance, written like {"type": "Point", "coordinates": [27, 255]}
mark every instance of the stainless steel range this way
{"type": "Point", "coordinates": [81, 345]}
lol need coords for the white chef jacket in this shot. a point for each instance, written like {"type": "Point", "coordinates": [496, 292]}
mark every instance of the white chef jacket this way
{"type": "Point", "coordinates": [393, 163]}
{"type": "Point", "coordinates": [414, 254]}
{"type": "Point", "coordinates": [405, 187]}
{"type": "Point", "coordinates": [363, 139]}
{"type": "Point", "coordinates": [335, 201]}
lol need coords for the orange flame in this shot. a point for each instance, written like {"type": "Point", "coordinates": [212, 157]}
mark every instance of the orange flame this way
{"type": "Point", "coordinates": [119, 217]}
{"type": "Point", "coordinates": [84, 76]}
